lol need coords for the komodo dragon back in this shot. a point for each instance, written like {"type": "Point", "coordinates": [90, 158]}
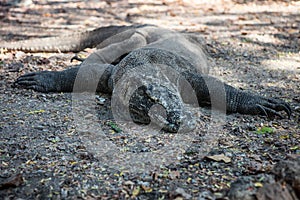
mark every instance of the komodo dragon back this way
{"type": "Point", "coordinates": [67, 43]}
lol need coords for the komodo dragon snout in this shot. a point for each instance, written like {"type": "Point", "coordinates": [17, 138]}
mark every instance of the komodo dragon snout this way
{"type": "Point", "coordinates": [160, 106]}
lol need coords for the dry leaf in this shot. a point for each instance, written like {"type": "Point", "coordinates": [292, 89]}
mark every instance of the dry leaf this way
{"type": "Point", "coordinates": [220, 157]}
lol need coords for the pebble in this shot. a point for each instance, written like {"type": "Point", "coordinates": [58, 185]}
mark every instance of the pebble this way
{"type": "Point", "coordinates": [147, 184]}
{"type": "Point", "coordinates": [128, 183]}
{"type": "Point", "coordinates": [100, 100]}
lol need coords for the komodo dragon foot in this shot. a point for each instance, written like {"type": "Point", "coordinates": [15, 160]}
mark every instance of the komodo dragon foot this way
{"type": "Point", "coordinates": [259, 105]}
{"type": "Point", "coordinates": [45, 81]}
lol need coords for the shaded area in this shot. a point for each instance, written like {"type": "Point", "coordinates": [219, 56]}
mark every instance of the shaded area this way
{"type": "Point", "coordinates": [38, 138]}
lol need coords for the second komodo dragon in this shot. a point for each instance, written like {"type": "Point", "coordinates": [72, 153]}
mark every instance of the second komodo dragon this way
{"type": "Point", "coordinates": [144, 65]}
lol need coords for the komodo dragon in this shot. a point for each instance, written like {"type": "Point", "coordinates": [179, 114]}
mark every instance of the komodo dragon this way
{"type": "Point", "coordinates": [152, 66]}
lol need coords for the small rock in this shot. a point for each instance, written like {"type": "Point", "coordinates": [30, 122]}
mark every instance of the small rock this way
{"type": "Point", "coordinates": [20, 54]}
{"type": "Point", "coordinates": [25, 3]}
{"type": "Point", "coordinates": [289, 171]}
{"type": "Point", "coordinates": [100, 100]}
{"type": "Point", "coordinates": [241, 190]}
{"type": "Point", "coordinates": [206, 195]}
{"type": "Point", "coordinates": [88, 116]}
{"type": "Point", "coordinates": [275, 191]}
{"type": "Point", "coordinates": [179, 192]}
{"type": "Point", "coordinates": [13, 181]}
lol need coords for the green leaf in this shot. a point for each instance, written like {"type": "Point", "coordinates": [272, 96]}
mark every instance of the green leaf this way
{"type": "Point", "coordinates": [264, 130]}
{"type": "Point", "coordinates": [115, 127]}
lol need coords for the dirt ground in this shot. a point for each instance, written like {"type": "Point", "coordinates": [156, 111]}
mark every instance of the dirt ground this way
{"type": "Point", "coordinates": [44, 154]}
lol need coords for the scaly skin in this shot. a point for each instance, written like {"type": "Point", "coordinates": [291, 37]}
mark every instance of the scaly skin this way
{"type": "Point", "coordinates": [143, 66]}
{"type": "Point", "coordinates": [155, 89]}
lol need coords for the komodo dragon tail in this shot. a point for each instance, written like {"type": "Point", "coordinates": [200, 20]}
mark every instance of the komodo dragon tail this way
{"type": "Point", "coordinates": [66, 43]}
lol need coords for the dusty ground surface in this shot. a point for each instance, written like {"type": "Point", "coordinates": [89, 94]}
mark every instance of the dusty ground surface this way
{"type": "Point", "coordinates": [254, 45]}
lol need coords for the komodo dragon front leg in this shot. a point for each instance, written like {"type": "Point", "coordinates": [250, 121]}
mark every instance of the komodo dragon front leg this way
{"type": "Point", "coordinates": [236, 101]}
{"type": "Point", "coordinates": [95, 68]}
{"type": "Point", "coordinates": [114, 50]}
